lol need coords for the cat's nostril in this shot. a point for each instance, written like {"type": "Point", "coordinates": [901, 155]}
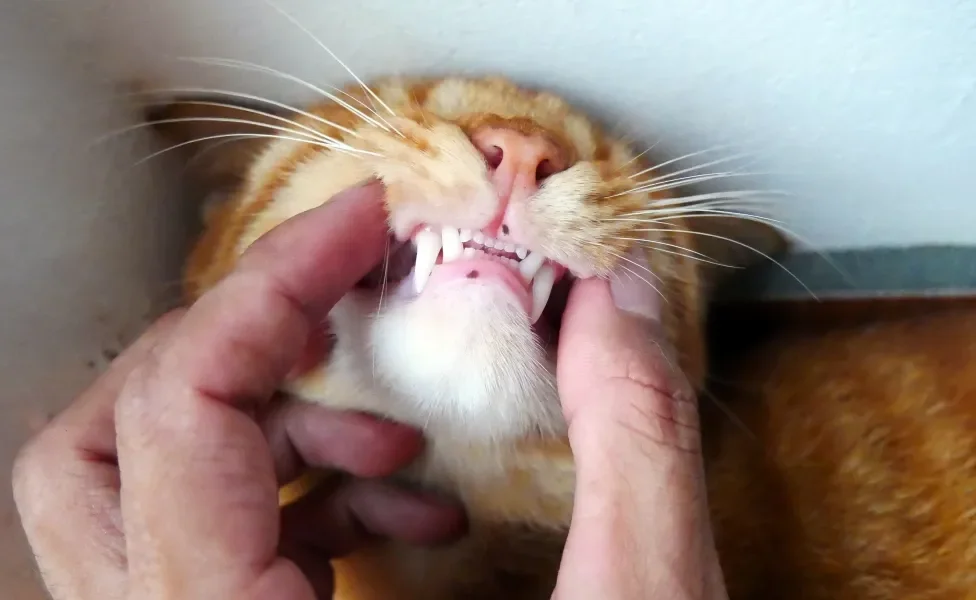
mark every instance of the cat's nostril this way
{"type": "Point", "coordinates": [545, 169]}
{"type": "Point", "coordinates": [493, 155]}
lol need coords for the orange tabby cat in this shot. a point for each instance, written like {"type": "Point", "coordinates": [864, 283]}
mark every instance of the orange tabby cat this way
{"type": "Point", "coordinates": [505, 194]}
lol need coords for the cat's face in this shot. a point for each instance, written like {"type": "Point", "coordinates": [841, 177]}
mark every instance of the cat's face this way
{"type": "Point", "coordinates": [498, 198]}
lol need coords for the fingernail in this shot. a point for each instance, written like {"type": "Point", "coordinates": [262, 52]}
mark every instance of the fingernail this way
{"type": "Point", "coordinates": [633, 289]}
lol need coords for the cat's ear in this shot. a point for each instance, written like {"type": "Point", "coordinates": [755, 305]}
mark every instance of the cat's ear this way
{"type": "Point", "coordinates": [217, 140]}
{"type": "Point", "coordinates": [734, 242]}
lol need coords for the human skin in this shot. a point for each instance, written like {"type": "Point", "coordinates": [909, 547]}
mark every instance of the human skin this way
{"type": "Point", "coordinates": [187, 419]}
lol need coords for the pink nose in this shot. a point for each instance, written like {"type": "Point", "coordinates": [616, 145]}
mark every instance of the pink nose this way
{"type": "Point", "coordinates": [518, 164]}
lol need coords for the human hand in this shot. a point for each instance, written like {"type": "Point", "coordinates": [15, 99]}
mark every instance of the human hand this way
{"type": "Point", "coordinates": [640, 526]}
{"type": "Point", "coordinates": [161, 480]}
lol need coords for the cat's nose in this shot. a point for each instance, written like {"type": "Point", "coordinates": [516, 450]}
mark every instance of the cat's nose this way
{"type": "Point", "coordinates": [518, 162]}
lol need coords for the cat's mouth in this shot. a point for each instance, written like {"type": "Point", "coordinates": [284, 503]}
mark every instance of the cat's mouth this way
{"type": "Point", "coordinates": [541, 285]}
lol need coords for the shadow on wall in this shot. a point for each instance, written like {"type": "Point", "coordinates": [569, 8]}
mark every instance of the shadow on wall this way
{"type": "Point", "coordinates": [89, 247]}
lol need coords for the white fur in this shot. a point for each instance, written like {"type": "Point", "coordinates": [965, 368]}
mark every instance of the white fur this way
{"type": "Point", "coordinates": [460, 361]}
{"type": "Point", "coordinates": [465, 355]}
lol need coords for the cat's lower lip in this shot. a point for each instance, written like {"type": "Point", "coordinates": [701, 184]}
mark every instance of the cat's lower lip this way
{"type": "Point", "coordinates": [482, 271]}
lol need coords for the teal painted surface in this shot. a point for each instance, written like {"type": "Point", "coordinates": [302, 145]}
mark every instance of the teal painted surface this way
{"type": "Point", "coordinates": [923, 271]}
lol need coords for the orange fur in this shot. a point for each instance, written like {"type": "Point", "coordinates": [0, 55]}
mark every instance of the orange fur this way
{"type": "Point", "coordinates": [519, 496]}
{"type": "Point", "coordinates": [859, 480]}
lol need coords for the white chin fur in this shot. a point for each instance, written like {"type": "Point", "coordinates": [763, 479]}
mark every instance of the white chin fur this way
{"type": "Point", "coordinates": [464, 354]}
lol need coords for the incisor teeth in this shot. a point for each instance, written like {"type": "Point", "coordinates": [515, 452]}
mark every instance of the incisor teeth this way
{"type": "Point", "coordinates": [468, 253]}
{"type": "Point", "coordinates": [478, 237]}
{"type": "Point", "coordinates": [531, 265]}
{"type": "Point", "coordinates": [452, 244]}
{"type": "Point", "coordinates": [465, 235]}
{"type": "Point", "coordinates": [509, 248]}
{"type": "Point", "coordinates": [541, 288]}
{"type": "Point", "coordinates": [521, 252]}
{"type": "Point", "coordinates": [428, 247]}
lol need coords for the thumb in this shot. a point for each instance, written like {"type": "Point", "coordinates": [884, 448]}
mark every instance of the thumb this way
{"type": "Point", "coordinates": [640, 524]}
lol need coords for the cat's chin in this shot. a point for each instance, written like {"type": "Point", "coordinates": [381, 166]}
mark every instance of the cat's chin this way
{"type": "Point", "coordinates": [468, 357]}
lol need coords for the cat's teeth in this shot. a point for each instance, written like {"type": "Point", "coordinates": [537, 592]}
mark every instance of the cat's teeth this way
{"type": "Point", "coordinates": [521, 253]}
{"type": "Point", "coordinates": [541, 288]}
{"type": "Point", "coordinates": [531, 264]}
{"type": "Point", "coordinates": [428, 247]}
{"type": "Point", "coordinates": [489, 242]}
{"type": "Point", "coordinates": [468, 252]}
{"type": "Point", "coordinates": [452, 244]}
{"type": "Point", "coordinates": [478, 238]}
{"type": "Point", "coordinates": [509, 248]}
{"type": "Point", "coordinates": [465, 235]}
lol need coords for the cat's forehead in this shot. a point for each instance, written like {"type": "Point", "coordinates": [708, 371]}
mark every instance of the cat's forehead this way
{"type": "Point", "coordinates": [496, 101]}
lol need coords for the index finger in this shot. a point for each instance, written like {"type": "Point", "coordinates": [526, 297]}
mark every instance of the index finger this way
{"type": "Point", "coordinates": [197, 472]}
{"type": "Point", "coordinates": [259, 317]}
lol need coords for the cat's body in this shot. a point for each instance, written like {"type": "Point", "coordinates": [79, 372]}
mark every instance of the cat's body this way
{"type": "Point", "coordinates": [857, 476]}
{"type": "Point", "coordinates": [462, 358]}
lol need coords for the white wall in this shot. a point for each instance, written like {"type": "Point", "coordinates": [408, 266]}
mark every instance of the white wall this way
{"type": "Point", "coordinates": [88, 246]}
{"type": "Point", "coordinates": [864, 109]}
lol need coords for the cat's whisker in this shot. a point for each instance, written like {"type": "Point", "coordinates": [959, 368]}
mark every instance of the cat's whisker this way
{"type": "Point", "coordinates": [641, 155]}
{"type": "Point", "coordinates": [639, 276]}
{"type": "Point", "coordinates": [210, 120]}
{"type": "Point", "coordinates": [383, 283]}
{"type": "Point", "coordinates": [692, 155]}
{"type": "Point", "coordinates": [322, 45]}
{"type": "Point", "coordinates": [737, 243]}
{"type": "Point", "coordinates": [243, 135]}
{"type": "Point", "coordinates": [249, 66]}
{"type": "Point", "coordinates": [252, 97]}
{"type": "Point", "coordinates": [312, 130]}
{"type": "Point", "coordinates": [658, 246]}
{"type": "Point", "coordinates": [732, 209]}
{"type": "Point", "coordinates": [657, 186]}
{"type": "Point", "coordinates": [657, 205]}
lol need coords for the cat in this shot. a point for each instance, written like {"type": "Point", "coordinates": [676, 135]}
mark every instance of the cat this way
{"type": "Point", "coordinates": [476, 166]}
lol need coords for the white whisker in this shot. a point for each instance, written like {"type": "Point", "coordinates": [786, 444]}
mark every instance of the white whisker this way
{"type": "Point", "coordinates": [194, 90]}
{"type": "Point", "coordinates": [207, 120]}
{"type": "Point", "coordinates": [262, 113]}
{"type": "Point", "coordinates": [319, 42]}
{"type": "Point", "coordinates": [738, 243]}
{"type": "Point", "coordinates": [658, 205]}
{"type": "Point", "coordinates": [249, 66]}
{"type": "Point", "coordinates": [691, 155]}
{"type": "Point", "coordinates": [655, 185]}
{"type": "Point", "coordinates": [241, 135]}
{"type": "Point", "coordinates": [692, 254]}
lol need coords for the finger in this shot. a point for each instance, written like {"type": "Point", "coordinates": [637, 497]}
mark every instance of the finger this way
{"type": "Point", "coordinates": [302, 434]}
{"type": "Point", "coordinates": [640, 520]}
{"type": "Point", "coordinates": [187, 454]}
{"type": "Point", "coordinates": [66, 486]}
{"type": "Point", "coordinates": [337, 521]}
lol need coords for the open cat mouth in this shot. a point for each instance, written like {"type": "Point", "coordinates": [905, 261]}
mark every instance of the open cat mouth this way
{"type": "Point", "coordinates": [543, 284]}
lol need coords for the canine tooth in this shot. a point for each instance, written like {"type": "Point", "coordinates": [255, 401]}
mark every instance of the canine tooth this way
{"type": "Point", "coordinates": [521, 252]}
{"type": "Point", "coordinates": [478, 238]}
{"type": "Point", "coordinates": [428, 247]}
{"type": "Point", "coordinates": [468, 253]}
{"type": "Point", "coordinates": [509, 248]}
{"type": "Point", "coordinates": [465, 235]}
{"type": "Point", "coordinates": [531, 264]}
{"type": "Point", "coordinates": [541, 288]}
{"type": "Point", "coordinates": [452, 244]}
